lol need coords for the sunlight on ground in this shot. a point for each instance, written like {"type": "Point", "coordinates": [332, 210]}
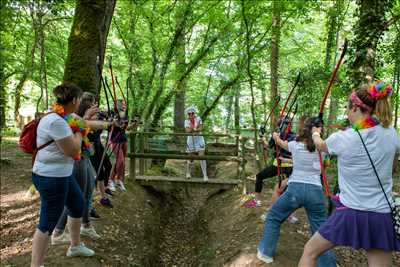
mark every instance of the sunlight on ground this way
{"type": "Point", "coordinates": [244, 259]}
{"type": "Point", "coordinates": [6, 200]}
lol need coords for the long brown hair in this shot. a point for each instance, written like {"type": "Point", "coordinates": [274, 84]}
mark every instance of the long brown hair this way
{"type": "Point", "coordinates": [304, 133]}
{"type": "Point", "coordinates": [87, 101]}
{"type": "Point", "coordinates": [381, 107]}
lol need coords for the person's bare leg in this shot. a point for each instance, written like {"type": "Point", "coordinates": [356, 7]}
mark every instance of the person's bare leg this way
{"type": "Point", "coordinates": [313, 249]}
{"type": "Point", "coordinates": [203, 166]}
{"type": "Point", "coordinates": [378, 258]}
{"type": "Point", "coordinates": [39, 247]}
{"type": "Point", "coordinates": [187, 173]}
{"type": "Point", "coordinates": [102, 189]}
{"type": "Point", "coordinates": [74, 226]}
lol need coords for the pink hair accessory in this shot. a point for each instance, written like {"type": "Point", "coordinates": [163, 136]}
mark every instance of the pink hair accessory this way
{"type": "Point", "coordinates": [357, 101]}
{"type": "Point", "coordinates": [380, 90]}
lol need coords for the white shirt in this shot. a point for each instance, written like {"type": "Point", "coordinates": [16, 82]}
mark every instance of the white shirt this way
{"type": "Point", "coordinates": [306, 165]}
{"type": "Point", "coordinates": [195, 143]}
{"type": "Point", "coordinates": [359, 186]}
{"type": "Point", "coordinates": [51, 161]}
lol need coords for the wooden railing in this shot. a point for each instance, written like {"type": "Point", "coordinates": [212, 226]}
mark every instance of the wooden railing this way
{"type": "Point", "coordinates": [139, 149]}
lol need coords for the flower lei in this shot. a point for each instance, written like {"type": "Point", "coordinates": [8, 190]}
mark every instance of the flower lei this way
{"type": "Point", "coordinates": [77, 125]}
{"type": "Point", "coordinates": [365, 123]}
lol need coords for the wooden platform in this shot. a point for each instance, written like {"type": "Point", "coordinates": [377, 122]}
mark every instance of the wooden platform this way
{"type": "Point", "coordinates": [181, 181]}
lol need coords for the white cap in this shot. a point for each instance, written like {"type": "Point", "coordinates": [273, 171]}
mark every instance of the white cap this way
{"type": "Point", "coordinates": [191, 109]}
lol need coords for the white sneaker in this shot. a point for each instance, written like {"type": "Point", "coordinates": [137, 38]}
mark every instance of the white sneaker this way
{"type": "Point", "coordinates": [62, 239]}
{"type": "Point", "coordinates": [90, 232]}
{"type": "Point", "coordinates": [80, 251]}
{"type": "Point", "coordinates": [263, 217]}
{"type": "Point", "coordinates": [264, 258]}
{"type": "Point", "coordinates": [111, 186]}
{"type": "Point", "coordinates": [293, 219]}
{"type": "Point", "coordinates": [121, 186]}
{"type": "Point", "coordinates": [205, 178]}
{"type": "Point", "coordinates": [188, 176]}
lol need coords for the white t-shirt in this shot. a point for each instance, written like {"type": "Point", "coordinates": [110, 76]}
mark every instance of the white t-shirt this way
{"type": "Point", "coordinates": [195, 143]}
{"type": "Point", "coordinates": [51, 161]}
{"type": "Point", "coordinates": [359, 186]}
{"type": "Point", "coordinates": [306, 166]}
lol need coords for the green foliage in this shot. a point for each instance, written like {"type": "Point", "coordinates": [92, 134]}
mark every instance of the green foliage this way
{"type": "Point", "coordinates": [143, 48]}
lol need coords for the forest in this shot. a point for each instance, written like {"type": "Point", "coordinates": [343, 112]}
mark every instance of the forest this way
{"type": "Point", "coordinates": [236, 63]}
{"type": "Point", "coordinates": [230, 59]}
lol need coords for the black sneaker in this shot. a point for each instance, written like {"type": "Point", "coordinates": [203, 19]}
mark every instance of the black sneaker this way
{"type": "Point", "coordinates": [106, 202]}
{"type": "Point", "coordinates": [108, 191]}
{"type": "Point", "coordinates": [94, 215]}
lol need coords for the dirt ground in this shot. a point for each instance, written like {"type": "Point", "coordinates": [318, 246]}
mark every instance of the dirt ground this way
{"type": "Point", "coordinates": [151, 227]}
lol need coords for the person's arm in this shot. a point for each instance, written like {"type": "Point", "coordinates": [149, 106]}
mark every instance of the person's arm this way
{"type": "Point", "coordinates": [98, 125]}
{"type": "Point", "coordinates": [70, 145]}
{"type": "Point", "coordinates": [318, 141]}
{"type": "Point", "coordinates": [199, 128]}
{"type": "Point", "coordinates": [280, 142]}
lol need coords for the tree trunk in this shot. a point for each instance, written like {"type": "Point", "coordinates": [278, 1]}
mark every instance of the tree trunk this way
{"type": "Point", "coordinates": [370, 26]}
{"type": "Point", "coordinates": [251, 81]}
{"type": "Point", "coordinates": [225, 86]}
{"type": "Point", "coordinates": [43, 67]}
{"type": "Point", "coordinates": [87, 43]}
{"type": "Point", "coordinates": [229, 103]}
{"type": "Point", "coordinates": [28, 69]}
{"type": "Point", "coordinates": [180, 85]}
{"type": "Point", "coordinates": [275, 40]}
{"type": "Point", "coordinates": [331, 44]}
{"type": "Point", "coordinates": [237, 108]}
{"type": "Point", "coordinates": [396, 78]}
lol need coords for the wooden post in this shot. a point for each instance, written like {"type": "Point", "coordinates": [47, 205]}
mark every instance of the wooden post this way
{"type": "Point", "coordinates": [243, 164]}
{"type": "Point", "coordinates": [146, 148]}
{"type": "Point", "coordinates": [132, 159]}
{"type": "Point", "coordinates": [141, 160]}
{"type": "Point", "coordinates": [237, 149]}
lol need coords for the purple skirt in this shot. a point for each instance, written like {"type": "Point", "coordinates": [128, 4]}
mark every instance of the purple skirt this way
{"type": "Point", "coordinates": [360, 229]}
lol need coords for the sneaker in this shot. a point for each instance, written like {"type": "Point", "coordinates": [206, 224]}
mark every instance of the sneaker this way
{"type": "Point", "coordinates": [264, 258]}
{"type": "Point", "coordinates": [93, 214]}
{"type": "Point", "coordinates": [111, 186]}
{"type": "Point", "coordinates": [108, 192]}
{"type": "Point", "coordinates": [120, 185]}
{"type": "Point", "coordinates": [188, 176]}
{"type": "Point", "coordinates": [90, 232]}
{"type": "Point", "coordinates": [79, 251]}
{"type": "Point", "coordinates": [62, 239]}
{"type": "Point", "coordinates": [263, 217]}
{"type": "Point", "coordinates": [205, 178]}
{"type": "Point", "coordinates": [254, 203]}
{"type": "Point", "coordinates": [106, 202]}
{"type": "Point", "coordinates": [293, 219]}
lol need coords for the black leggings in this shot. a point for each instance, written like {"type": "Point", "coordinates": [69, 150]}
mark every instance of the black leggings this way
{"type": "Point", "coordinates": [95, 159]}
{"type": "Point", "coordinates": [269, 172]}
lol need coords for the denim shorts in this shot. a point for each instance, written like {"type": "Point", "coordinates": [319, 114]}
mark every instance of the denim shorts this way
{"type": "Point", "coordinates": [55, 193]}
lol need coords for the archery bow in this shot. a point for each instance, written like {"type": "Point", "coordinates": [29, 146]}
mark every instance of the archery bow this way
{"type": "Point", "coordinates": [321, 114]}
{"type": "Point", "coordinates": [282, 122]}
{"type": "Point", "coordinates": [120, 89]}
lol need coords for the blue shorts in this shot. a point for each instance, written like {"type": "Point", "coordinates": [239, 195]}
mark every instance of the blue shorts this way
{"type": "Point", "coordinates": [55, 193]}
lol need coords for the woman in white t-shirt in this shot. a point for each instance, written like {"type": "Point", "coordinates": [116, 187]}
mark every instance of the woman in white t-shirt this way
{"type": "Point", "coordinates": [195, 143]}
{"type": "Point", "coordinates": [362, 218]}
{"type": "Point", "coordinates": [304, 190]}
{"type": "Point", "coordinates": [52, 174]}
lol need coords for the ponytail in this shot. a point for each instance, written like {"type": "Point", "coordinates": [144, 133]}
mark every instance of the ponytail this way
{"type": "Point", "coordinates": [375, 100]}
{"type": "Point", "coordinates": [383, 111]}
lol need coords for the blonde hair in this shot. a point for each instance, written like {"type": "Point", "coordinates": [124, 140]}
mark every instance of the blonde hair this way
{"type": "Point", "coordinates": [381, 106]}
